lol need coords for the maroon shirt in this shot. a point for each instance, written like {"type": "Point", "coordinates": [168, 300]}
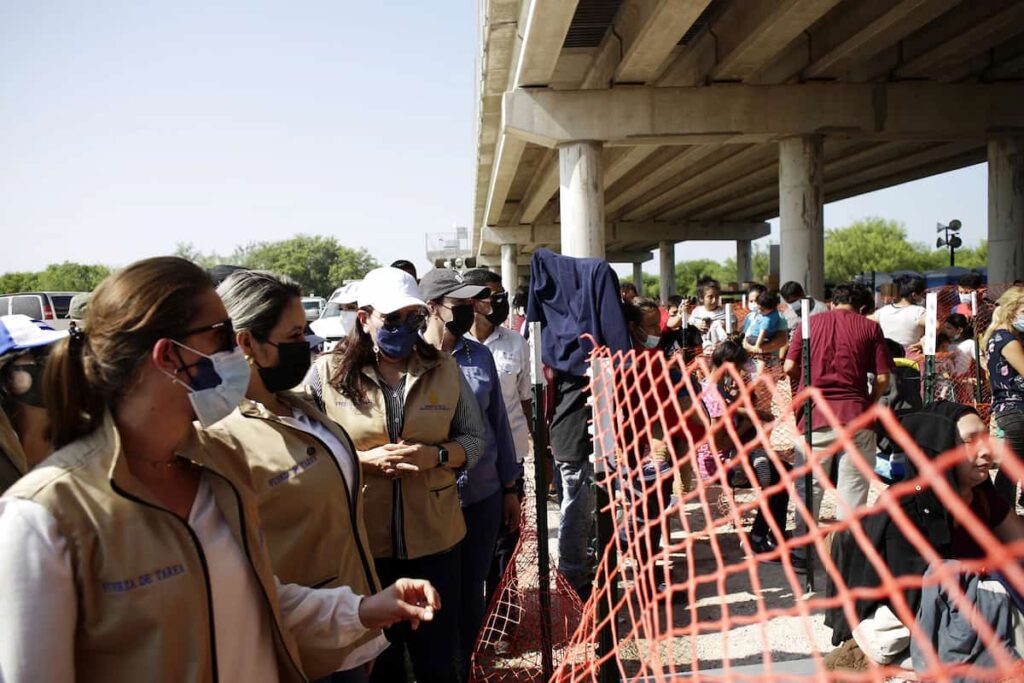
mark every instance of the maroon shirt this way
{"type": "Point", "coordinates": [845, 347]}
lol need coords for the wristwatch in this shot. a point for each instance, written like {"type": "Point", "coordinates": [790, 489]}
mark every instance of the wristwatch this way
{"type": "Point", "coordinates": [442, 456]}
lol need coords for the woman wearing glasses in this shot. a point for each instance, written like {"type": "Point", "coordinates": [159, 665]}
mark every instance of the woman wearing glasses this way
{"type": "Point", "coordinates": [304, 465]}
{"type": "Point", "coordinates": [414, 422]}
{"type": "Point", "coordinates": [120, 559]}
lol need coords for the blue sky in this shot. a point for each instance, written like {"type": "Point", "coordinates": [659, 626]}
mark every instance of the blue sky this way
{"type": "Point", "coordinates": [126, 127]}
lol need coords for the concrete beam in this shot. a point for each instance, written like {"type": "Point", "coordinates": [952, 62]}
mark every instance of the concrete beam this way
{"type": "Point", "coordinates": [651, 231]}
{"type": "Point", "coordinates": [581, 199]}
{"type": "Point", "coordinates": [547, 23]}
{"type": "Point", "coordinates": [975, 39]}
{"type": "Point", "coordinates": [898, 19]}
{"type": "Point", "coordinates": [769, 35]}
{"type": "Point", "coordinates": [649, 115]}
{"type": "Point", "coordinates": [541, 190]}
{"type": "Point", "coordinates": [663, 169]}
{"type": "Point", "coordinates": [650, 29]}
{"type": "Point", "coordinates": [801, 213]}
{"type": "Point", "coordinates": [509, 152]}
{"type": "Point", "coordinates": [667, 269]}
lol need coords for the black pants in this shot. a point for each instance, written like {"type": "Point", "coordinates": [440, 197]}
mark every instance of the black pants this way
{"type": "Point", "coordinates": [778, 504]}
{"type": "Point", "coordinates": [1012, 424]}
{"type": "Point", "coordinates": [434, 646]}
{"type": "Point", "coordinates": [508, 539]}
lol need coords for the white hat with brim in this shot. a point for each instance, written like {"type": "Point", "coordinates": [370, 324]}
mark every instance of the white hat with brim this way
{"type": "Point", "coordinates": [388, 290]}
{"type": "Point", "coordinates": [20, 333]}
{"type": "Point", "coordinates": [348, 294]}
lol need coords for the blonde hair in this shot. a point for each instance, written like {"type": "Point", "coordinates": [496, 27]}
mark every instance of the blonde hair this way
{"type": "Point", "coordinates": [1006, 310]}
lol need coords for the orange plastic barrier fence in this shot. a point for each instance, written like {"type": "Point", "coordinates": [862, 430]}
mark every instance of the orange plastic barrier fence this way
{"type": "Point", "coordinates": [700, 603]}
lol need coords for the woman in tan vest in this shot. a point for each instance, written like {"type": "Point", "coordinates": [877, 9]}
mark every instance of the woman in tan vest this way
{"type": "Point", "coordinates": [304, 465]}
{"type": "Point", "coordinates": [121, 560]}
{"type": "Point", "coordinates": [414, 421]}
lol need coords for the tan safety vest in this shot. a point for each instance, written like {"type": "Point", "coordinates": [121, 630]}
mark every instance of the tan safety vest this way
{"type": "Point", "coordinates": [144, 608]}
{"type": "Point", "coordinates": [13, 463]}
{"type": "Point", "coordinates": [314, 529]}
{"type": "Point", "coordinates": [419, 514]}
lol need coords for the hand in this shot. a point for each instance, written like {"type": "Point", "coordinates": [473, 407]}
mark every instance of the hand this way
{"type": "Point", "coordinates": [512, 512]}
{"type": "Point", "coordinates": [419, 458]}
{"type": "Point", "coordinates": [412, 600]}
{"type": "Point", "coordinates": [384, 460]}
{"type": "Point", "coordinates": [701, 324]}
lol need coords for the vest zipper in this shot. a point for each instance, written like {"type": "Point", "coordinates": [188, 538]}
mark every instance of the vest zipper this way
{"type": "Point", "coordinates": [202, 562]}
{"type": "Point", "coordinates": [263, 590]}
{"type": "Point", "coordinates": [351, 502]}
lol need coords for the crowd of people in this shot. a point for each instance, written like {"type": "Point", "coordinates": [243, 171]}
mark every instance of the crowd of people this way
{"type": "Point", "coordinates": [191, 495]}
{"type": "Point", "coordinates": [859, 356]}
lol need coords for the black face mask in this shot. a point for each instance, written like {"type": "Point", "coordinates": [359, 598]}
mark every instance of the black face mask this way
{"type": "Point", "coordinates": [462, 319]}
{"type": "Point", "coordinates": [499, 309]}
{"type": "Point", "coordinates": [293, 362]}
{"type": "Point", "coordinates": [33, 396]}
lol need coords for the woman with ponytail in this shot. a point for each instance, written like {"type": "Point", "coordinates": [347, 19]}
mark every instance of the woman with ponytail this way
{"type": "Point", "coordinates": [121, 559]}
{"type": "Point", "coordinates": [414, 421]}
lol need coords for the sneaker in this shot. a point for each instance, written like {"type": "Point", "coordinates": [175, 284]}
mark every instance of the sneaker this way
{"type": "Point", "coordinates": [760, 545]}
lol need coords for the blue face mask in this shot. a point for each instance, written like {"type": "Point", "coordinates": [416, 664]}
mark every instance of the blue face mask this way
{"type": "Point", "coordinates": [1018, 323]}
{"type": "Point", "coordinates": [397, 342]}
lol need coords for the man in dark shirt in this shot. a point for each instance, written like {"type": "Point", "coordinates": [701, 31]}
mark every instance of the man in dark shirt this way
{"type": "Point", "coordinates": [846, 348]}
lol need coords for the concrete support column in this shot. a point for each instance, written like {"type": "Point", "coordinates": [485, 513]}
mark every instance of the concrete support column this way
{"type": "Point", "coordinates": [510, 268]}
{"type": "Point", "coordinates": [667, 269]}
{"type": "Point", "coordinates": [638, 277]}
{"type": "Point", "coordinates": [744, 261]}
{"type": "Point", "coordinates": [581, 198]}
{"type": "Point", "coordinates": [1005, 211]}
{"type": "Point", "coordinates": [801, 213]}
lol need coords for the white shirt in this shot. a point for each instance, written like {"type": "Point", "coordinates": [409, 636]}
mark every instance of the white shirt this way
{"type": "Point", "coordinates": [902, 322]}
{"type": "Point", "coordinates": [346, 460]}
{"type": "Point", "coordinates": [512, 357]}
{"type": "Point", "coordinates": [716, 331]}
{"type": "Point", "coordinates": [792, 317]}
{"type": "Point", "coordinates": [40, 605]}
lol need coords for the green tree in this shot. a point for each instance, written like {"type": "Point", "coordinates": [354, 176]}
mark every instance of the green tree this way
{"type": "Point", "coordinates": [319, 264]}
{"type": "Point", "coordinates": [688, 272]}
{"type": "Point", "coordinates": [17, 282]}
{"type": "Point", "coordinates": [872, 244]}
{"type": "Point", "coordinates": [71, 277]}
{"type": "Point", "coordinates": [191, 252]}
{"type": "Point", "coordinates": [651, 287]}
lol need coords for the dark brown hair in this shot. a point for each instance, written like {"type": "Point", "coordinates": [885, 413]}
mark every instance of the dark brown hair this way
{"type": "Point", "coordinates": [357, 353]}
{"type": "Point", "coordinates": [128, 313]}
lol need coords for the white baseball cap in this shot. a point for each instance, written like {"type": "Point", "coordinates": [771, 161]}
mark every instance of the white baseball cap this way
{"type": "Point", "coordinates": [20, 332]}
{"type": "Point", "coordinates": [388, 290]}
{"type": "Point", "coordinates": [347, 294]}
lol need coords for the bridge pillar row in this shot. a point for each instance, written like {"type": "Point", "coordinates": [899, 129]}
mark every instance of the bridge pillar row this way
{"type": "Point", "coordinates": [801, 213]}
{"type": "Point", "coordinates": [510, 268]}
{"type": "Point", "coordinates": [581, 199]}
{"type": "Point", "coordinates": [667, 269]}
{"type": "Point", "coordinates": [1005, 211]}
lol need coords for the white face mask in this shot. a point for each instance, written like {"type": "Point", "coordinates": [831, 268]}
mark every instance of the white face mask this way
{"type": "Point", "coordinates": [218, 384]}
{"type": "Point", "coordinates": [752, 305]}
{"type": "Point", "coordinates": [348, 322]}
{"type": "Point", "coordinates": [965, 298]}
{"type": "Point", "coordinates": [652, 341]}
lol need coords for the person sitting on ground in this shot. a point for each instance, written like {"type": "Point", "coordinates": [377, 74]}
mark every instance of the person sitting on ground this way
{"type": "Point", "coordinates": [793, 294]}
{"type": "Point", "coordinates": [968, 283]}
{"type": "Point", "coordinates": [24, 427]}
{"type": "Point", "coordinates": [879, 634]}
{"type": "Point", "coordinates": [762, 325]}
{"type": "Point", "coordinates": [716, 399]}
{"type": "Point", "coordinates": [710, 317]}
{"type": "Point", "coordinates": [904, 321]}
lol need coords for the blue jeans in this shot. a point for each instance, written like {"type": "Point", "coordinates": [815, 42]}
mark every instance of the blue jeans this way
{"type": "Point", "coordinates": [434, 645]}
{"type": "Point", "coordinates": [575, 533]}
{"type": "Point", "coordinates": [483, 520]}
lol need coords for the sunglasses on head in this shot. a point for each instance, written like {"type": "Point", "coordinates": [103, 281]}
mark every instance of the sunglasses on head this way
{"type": "Point", "coordinates": [224, 333]}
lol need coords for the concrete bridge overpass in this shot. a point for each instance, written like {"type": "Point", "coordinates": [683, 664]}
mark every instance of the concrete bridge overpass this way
{"type": "Point", "coordinates": [613, 128]}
